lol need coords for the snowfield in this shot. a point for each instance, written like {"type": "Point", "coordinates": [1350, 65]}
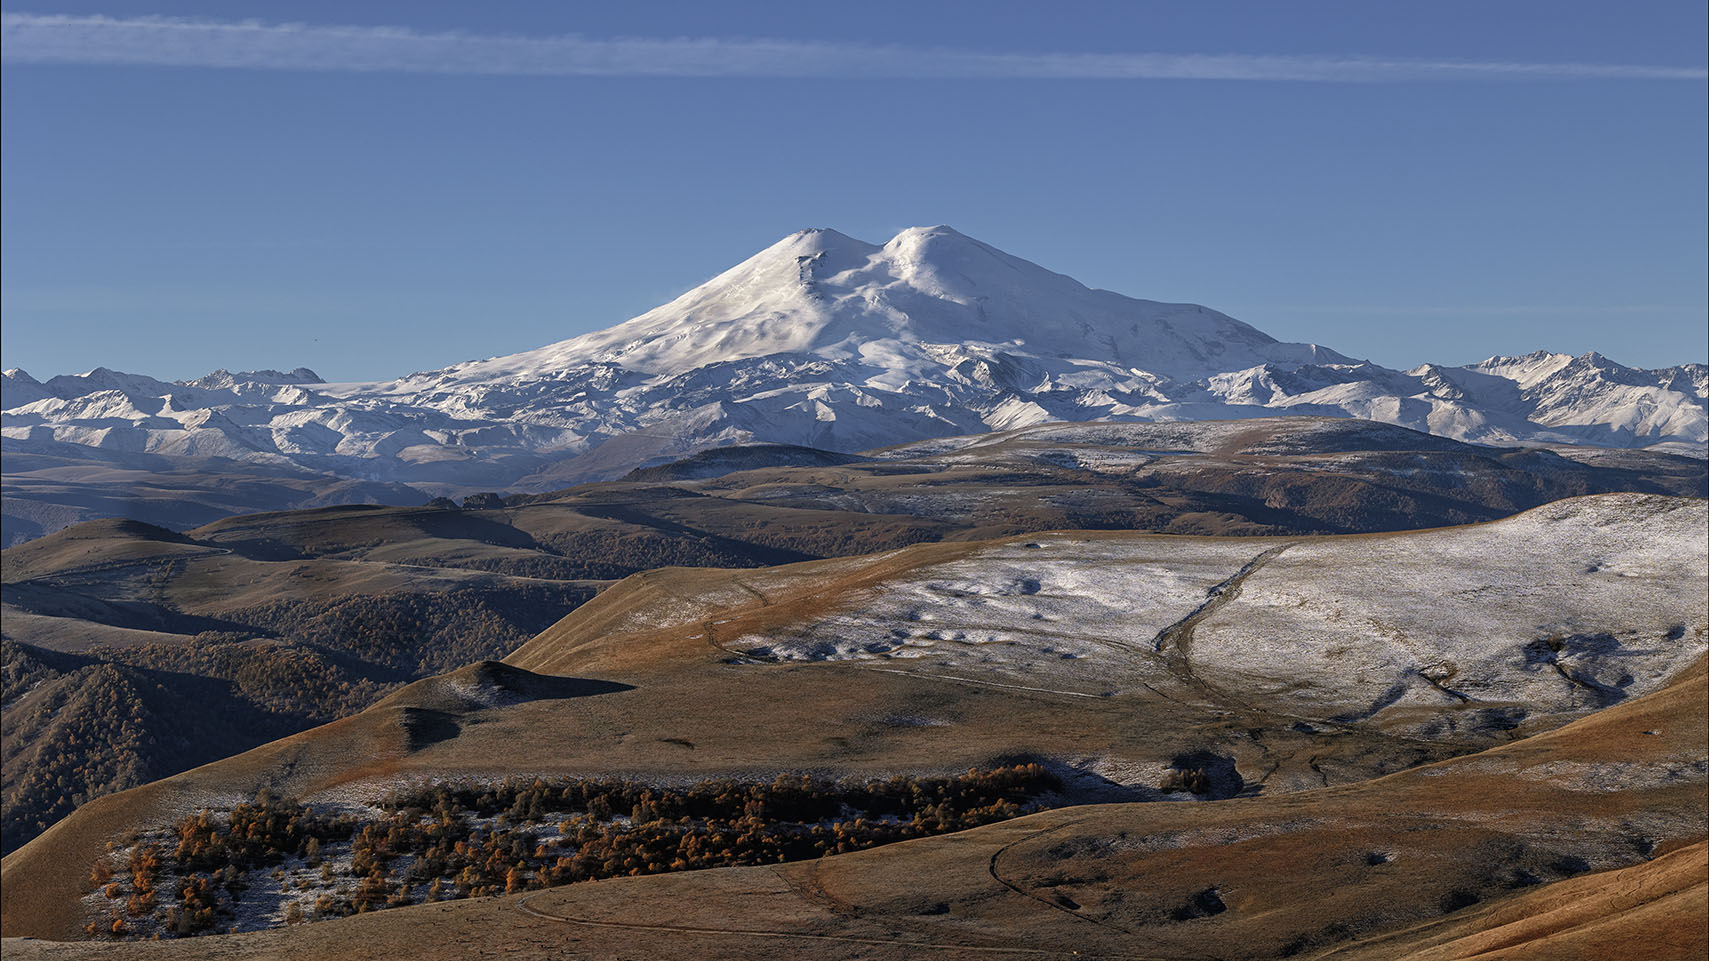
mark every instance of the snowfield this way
{"type": "Point", "coordinates": [1571, 606]}
{"type": "Point", "coordinates": [1014, 611]}
{"type": "Point", "coordinates": [1561, 610]}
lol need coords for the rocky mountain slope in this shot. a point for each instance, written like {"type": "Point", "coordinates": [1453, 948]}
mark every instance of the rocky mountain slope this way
{"type": "Point", "coordinates": [826, 341]}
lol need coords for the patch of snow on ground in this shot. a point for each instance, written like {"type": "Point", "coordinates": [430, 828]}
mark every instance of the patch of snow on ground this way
{"type": "Point", "coordinates": [1564, 609]}
{"type": "Point", "coordinates": [1569, 607]}
{"type": "Point", "coordinates": [1060, 610]}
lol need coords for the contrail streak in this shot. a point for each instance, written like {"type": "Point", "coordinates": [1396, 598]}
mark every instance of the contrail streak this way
{"type": "Point", "coordinates": [254, 45]}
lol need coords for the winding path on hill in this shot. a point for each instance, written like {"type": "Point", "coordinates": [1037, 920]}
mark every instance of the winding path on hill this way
{"type": "Point", "coordinates": [1074, 912]}
{"type": "Point", "coordinates": [525, 907]}
{"type": "Point", "coordinates": [838, 906]}
{"type": "Point", "coordinates": [1175, 642]}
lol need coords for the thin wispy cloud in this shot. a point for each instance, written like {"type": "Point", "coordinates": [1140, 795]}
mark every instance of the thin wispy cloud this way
{"type": "Point", "coordinates": [178, 42]}
{"type": "Point", "coordinates": [1486, 309]}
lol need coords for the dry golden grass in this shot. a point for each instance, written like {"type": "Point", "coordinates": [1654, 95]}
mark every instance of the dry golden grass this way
{"type": "Point", "coordinates": [1295, 875]}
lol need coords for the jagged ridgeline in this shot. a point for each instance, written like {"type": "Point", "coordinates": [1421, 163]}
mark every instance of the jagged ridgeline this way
{"type": "Point", "coordinates": [820, 340]}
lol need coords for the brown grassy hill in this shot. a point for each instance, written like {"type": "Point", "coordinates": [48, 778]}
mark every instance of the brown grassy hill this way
{"type": "Point", "coordinates": [1656, 909]}
{"type": "Point", "coordinates": [1174, 678]}
{"type": "Point", "coordinates": [1586, 841]}
{"type": "Point", "coordinates": [132, 652]}
{"type": "Point", "coordinates": [346, 603]}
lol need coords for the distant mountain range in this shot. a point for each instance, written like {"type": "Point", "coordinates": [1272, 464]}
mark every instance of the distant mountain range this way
{"type": "Point", "coordinates": [822, 341]}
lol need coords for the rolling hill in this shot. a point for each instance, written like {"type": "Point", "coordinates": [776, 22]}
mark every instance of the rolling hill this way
{"type": "Point", "coordinates": [1386, 730]}
{"type": "Point", "coordinates": [281, 621]}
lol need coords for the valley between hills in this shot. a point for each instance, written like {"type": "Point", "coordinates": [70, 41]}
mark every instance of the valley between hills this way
{"type": "Point", "coordinates": [134, 652]}
{"type": "Point", "coordinates": [1255, 689]}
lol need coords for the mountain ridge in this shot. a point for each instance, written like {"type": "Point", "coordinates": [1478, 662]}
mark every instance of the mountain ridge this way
{"type": "Point", "coordinates": [825, 341]}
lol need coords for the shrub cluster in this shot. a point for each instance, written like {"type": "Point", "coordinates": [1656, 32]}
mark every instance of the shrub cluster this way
{"type": "Point", "coordinates": [208, 853]}
{"type": "Point", "coordinates": [610, 828]}
{"type": "Point", "coordinates": [447, 841]}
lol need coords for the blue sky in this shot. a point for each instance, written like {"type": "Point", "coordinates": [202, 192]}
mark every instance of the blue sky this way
{"type": "Point", "coordinates": [1454, 180]}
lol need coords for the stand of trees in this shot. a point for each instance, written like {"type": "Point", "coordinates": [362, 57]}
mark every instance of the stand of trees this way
{"type": "Point", "coordinates": [417, 634]}
{"type": "Point", "coordinates": [448, 841]}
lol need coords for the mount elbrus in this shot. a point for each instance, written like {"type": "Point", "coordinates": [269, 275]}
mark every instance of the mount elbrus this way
{"type": "Point", "coordinates": [820, 340]}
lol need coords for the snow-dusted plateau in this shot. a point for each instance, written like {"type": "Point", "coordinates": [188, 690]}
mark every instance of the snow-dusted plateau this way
{"type": "Point", "coordinates": [820, 340]}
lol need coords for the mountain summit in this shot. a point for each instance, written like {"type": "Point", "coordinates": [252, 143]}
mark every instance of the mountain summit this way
{"type": "Point", "coordinates": [825, 294]}
{"type": "Point", "coordinates": [827, 341]}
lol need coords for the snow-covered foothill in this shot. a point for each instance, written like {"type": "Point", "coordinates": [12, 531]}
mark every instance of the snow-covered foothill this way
{"type": "Point", "coordinates": [1570, 606]}
{"type": "Point", "coordinates": [1563, 609]}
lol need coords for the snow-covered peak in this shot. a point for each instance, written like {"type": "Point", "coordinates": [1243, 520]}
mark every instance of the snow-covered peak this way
{"type": "Point", "coordinates": [826, 341]}
{"type": "Point", "coordinates": [943, 248]}
{"type": "Point", "coordinates": [1524, 370]}
{"type": "Point", "coordinates": [1692, 379]}
{"type": "Point", "coordinates": [800, 258]}
{"type": "Point", "coordinates": [946, 261]}
{"type": "Point", "coordinates": [105, 378]}
{"type": "Point", "coordinates": [820, 240]}
{"type": "Point", "coordinates": [822, 294]}
{"type": "Point", "coordinates": [764, 305]}
{"type": "Point", "coordinates": [18, 388]}
{"type": "Point", "coordinates": [223, 379]}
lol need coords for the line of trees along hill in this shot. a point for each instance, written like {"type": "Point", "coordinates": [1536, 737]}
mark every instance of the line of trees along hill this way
{"type": "Point", "coordinates": [448, 841]}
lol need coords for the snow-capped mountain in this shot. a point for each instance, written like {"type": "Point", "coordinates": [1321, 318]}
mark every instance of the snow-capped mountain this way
{"type": "Point", "coordinates": [825, 341]}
